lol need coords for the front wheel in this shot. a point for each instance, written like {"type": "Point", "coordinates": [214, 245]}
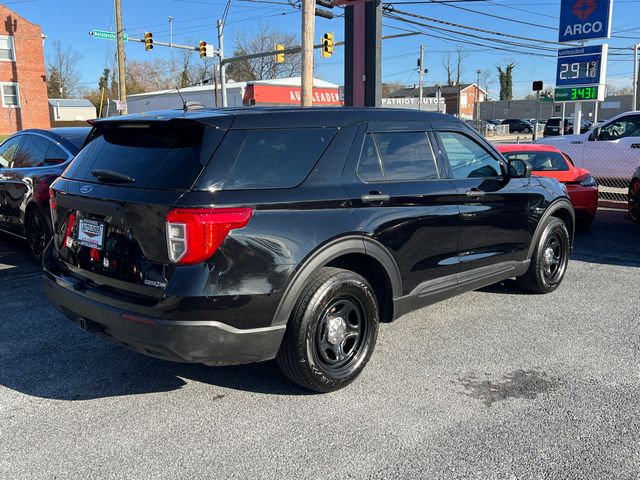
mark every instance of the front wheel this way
{"type": "Point", "coordinates": [332, 331]}
{"type": "Point", "coordinates": [549, 260]}
{"type": "Point", "coordinates": [527, 130]}
{"type": "Point", "coordinates": [634, 200]}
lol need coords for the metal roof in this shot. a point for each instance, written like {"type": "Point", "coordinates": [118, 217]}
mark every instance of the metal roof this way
{"type": "Point", "coordinates": [70, 102]}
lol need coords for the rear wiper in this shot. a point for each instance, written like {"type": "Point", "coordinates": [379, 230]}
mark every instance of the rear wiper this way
{"type": "Point", "coordinates": [109, 176]}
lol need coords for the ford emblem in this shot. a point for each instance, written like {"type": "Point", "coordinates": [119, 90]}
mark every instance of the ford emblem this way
{"type": "Point", "coordinates": [86, 188]}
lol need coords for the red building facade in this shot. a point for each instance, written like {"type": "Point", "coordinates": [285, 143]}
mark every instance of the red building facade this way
{"type": "Point", "coordinates": [23, 85]}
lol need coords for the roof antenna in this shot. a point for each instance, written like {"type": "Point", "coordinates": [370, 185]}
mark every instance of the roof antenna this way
{"type": "Point", "coordinates": [184, 104]}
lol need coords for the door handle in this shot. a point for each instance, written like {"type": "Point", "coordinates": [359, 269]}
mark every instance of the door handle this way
{"type": "Point", "coordinates": [475, 193]}
{"type": "Point", "coordinates": [374, 197]}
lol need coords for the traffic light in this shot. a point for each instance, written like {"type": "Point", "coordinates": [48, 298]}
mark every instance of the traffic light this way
{"type": "Point", "coordinates": [280, 54]}
{"type": "Point", "coordinates": [148, 41]}
{"type": "Point", "coordinates": [327, 45]}
{"type": "Point", "coordinates": [203, 49]}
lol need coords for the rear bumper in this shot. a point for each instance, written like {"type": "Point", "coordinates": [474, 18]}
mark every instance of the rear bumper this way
{"type": "Point", "coordinates": [194, 341]}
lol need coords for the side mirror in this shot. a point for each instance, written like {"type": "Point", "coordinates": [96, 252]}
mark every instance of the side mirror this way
{"type": "Point", "coordinates": [519, 168]}
{"type": "Point", "coordinates": [595, 135]}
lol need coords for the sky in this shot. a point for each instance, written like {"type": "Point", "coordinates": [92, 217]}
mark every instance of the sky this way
{"type": "Point", "coordinates": [69, 21]}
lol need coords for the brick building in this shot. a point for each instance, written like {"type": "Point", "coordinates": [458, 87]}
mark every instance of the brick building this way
{"type": "Point", "coordinates": [460, 99]}
{"type": "Point", "coordinates": [23, 86]}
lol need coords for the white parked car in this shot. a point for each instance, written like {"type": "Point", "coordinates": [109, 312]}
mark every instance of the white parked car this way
{"type": "Point", "coordinates": [610, 150]}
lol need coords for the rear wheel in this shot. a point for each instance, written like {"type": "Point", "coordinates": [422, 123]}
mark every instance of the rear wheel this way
{"type": "Point", "coordinates": [549, 260]}
{"type": "Point", "coordinates": [38, 230]}
{"type": "Point", "coordinates": [634, 200]}
{"type": "Point", "coordinates": [332, 331]}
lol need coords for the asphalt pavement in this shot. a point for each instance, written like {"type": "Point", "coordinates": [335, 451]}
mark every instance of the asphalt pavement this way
{"type": "Point", "coordinates": [494, 384]}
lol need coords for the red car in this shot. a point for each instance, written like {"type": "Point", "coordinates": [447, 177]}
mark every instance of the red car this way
{"type": "Point", "coordinates": [548, 161]}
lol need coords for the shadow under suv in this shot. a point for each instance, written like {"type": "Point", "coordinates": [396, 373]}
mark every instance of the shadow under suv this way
{"type": "Point", "coordinates": [236, 236]}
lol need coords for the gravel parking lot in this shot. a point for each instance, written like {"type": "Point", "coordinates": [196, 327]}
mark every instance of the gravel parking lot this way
{"type": "Point", "coordinates": [494, 384]}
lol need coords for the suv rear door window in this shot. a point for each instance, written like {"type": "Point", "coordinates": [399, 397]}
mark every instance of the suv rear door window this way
{"type": "Point", "coordinates": [277, 158]}
{"type": "Point", "coordinates": [157, 155]}
{"type": "Point", "coordinates": [397, 156]}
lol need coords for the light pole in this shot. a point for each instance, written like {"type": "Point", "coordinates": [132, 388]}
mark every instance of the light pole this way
{"type": "Point", "coordinates": [634, 105]}
{"type": "Point", "coordinates": [478, 72]}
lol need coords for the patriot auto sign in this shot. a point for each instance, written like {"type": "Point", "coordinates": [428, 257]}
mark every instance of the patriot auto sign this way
{"type": "Point", "coordinates": [585, 20]}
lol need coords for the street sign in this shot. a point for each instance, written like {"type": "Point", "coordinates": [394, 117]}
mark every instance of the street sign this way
{"type": "Point", "coordinates": [582, 66]}
{"type": "Point", "coordinates": [105, 35]}
{"type": "Point", "coordinates": [579, 94]}
{"type": "Point", "coordinates": [584, 20]}
{"type": "Point", "coordinates": [210, 51]}
{"type": "Point", "coordinates": [121, 105]}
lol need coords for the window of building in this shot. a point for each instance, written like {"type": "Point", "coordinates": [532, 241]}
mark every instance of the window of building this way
{"type": "Point", "coordinates": [7, 52]}
{"type": "Point", "coordinates": [10, 94]}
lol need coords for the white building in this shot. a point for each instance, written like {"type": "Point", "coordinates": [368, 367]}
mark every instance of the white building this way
{"type": "Point", "coordinates": [71, 110]}
{"type": "Point", "coordinates": [280, 91]}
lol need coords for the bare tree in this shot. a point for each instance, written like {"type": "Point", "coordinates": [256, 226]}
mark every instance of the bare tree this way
{"type": "Point", "coordinates": [389, 87]}
{"type": "Point", "coordinates": [486, 81]}
{"type": "Point", "coordinates": [259, 40]}
{"type": "Point", "coordinates": [63, 76]}
{"type": "Point", "coordinates": [454, 68]}
{"type": "Point", "coordinates": [460, 56]}
{"type": "Point", "coordinates": [446, 63]}
{"type": "Point", "coordinates": [611, 90]}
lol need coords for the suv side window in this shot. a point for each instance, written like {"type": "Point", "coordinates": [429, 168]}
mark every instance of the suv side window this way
{"type": "Point", "coordinates": [277, 158]}
{"type": "Point", "coordinates": [31, 152]}
{"type": "Point", "coordinates": [397, 156]}
{"type": "Point", "coordinates": [8, 151]}
{"type": "Point", "coordinates": [623, 127]}
{"type": "Point", "coordinates": [467, 158]}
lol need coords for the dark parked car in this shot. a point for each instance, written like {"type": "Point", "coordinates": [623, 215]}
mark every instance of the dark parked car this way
{"type": "Point", "coordinates": [517, 125]}
{"type": "Point", "coordinates": [634, 197]}
{"type": "Point", "coordinates": [29, 162]}
{"type": "Point", "coordinates": [242, 235]}
{"type": "Point", "coordinates": [552, 127]}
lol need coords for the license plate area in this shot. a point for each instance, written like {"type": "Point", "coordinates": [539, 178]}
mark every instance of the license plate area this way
{"type": "Point", "coordinates": [91, 233]}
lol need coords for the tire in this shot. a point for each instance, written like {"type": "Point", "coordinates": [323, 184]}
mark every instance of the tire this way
{"type": "Point", "coordinates": [526, 130]}
{"type": "Point", "coordinates": [549, 261]}
{"type": "Point", "coordinates": [634, 200]}
{"type": "Point", "coordinates": [39, 231]}
{"type": "Point", "coordinates": [316, 338]}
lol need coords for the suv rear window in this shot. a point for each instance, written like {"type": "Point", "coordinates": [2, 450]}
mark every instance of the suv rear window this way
{"type": "Point", "coordinates": [277, 158]}
{"type": "Point", "coordinates": [158, 155]}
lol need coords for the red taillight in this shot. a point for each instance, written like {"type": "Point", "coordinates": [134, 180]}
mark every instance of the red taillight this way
{"type": "Point", "coordinates": [52, 200]}
{"type": "Point", "coordinates": [194, 234]}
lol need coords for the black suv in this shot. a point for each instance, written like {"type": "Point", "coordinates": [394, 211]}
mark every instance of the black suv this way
{"type": "Point", "coordinates": [552, 127]}
{"type": "Point", "coordinates": [517, 125]}
{"type": "Point", "coordinates": [237, 236]}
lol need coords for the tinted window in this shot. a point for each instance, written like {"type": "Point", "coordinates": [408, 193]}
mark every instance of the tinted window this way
{"type": "Point", "coordinates": [623, 127]}
{"type": "Point", "coordinates": [541, 161]}
{"type": "Point", "coordinates": [163, 155]}
{"type": "Point", "coordinates": [467, 158]}
{"type": "Point", "coordinates": [370, 167]}
{"type": "Point", "coordinates": [55, 155]}
{"type": "Point", "coordinates": [77, 138]}
{"type": "Point", "coordinates": [8, 150]}
{"type": "Point", "coordinates": [31, 152]}
{"type": "Point", "coordinates": [277, 158]}
{"type": "Point", "coordinates": [402, 156]}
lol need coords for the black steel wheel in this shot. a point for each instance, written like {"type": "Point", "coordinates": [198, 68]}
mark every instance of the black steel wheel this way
{"type": "Point", "coordinates": [549, 260]}
{"type": "Point", "coordinates": [38, 230]}
{"type": "Point", "coordinates": [634, 200]}
{"type": "Point", "coordinates": [332, 331]}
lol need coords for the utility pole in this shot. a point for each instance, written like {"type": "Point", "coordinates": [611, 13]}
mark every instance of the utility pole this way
{"type": "Point", "coordinates": [308, 31]}
{"type": "Point", "coordinates": [634, 105]}
{"type": "Point", "coordinates": [223, 67]}
{"type": "Point", "coordinates": [420, 70]}
{"type": "Point", "coordinates": [122, 75]}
